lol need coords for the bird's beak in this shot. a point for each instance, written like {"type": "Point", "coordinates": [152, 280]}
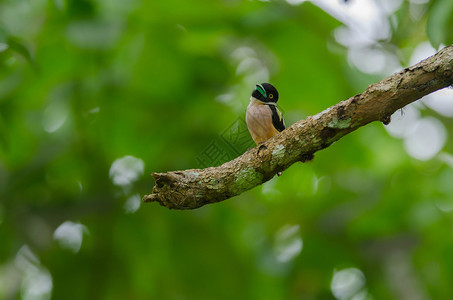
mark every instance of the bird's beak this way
{"type": "Point", "coordinates": [261, 89]}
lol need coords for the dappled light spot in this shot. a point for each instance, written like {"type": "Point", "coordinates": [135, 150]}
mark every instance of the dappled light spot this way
{"type": "Point", "coordinates": [225, 98]}
{"type": "Point", "coordinates": [347, 283]}
{"type": "Point", "coordinates": [402, 121]}
{"type": "Point", "coordinates": [274, 258]}
{"type": "Point", "coordinates": [241, 53]}
{"type": "Point", "coordinates": [288, 243]}
{"type": "Point", "coordinates": [423, 137]}
{"type": "Point", "coordinates": [447, 158]}
{"type": "Point", "coordinates": [366, 23]}
{"type": "Point", "coordinates": [251, 67]}
{"type": "Point", "coordinates": [37, 285]}
{"type": "Point", "coordinates": [54, 116]}
{"type": "Point", "coordinates": [250, 64]}
{"type": "Point", "coordinates": [426, 139]}
{"type": "Point", "coordinates": [25, 258]}
{"type": "Point", "coordinates": [372, 60]}
{"type": "Point", "coordinates": [36, 281]}
{"type": "Point", "coordinates": [365, 20]}
{"type": "Point", "coordinates": [422, 51]}
{"type": "Point", "coordinates": [70, 235]}
{"type": "Point", "coordinates": [440, 101]}
{"type": "Point", "coordinates": [20, 16]}
{"type": "Point", "coordinates": [132, 204]}
{"type": "Point", "coordinates": [3, 47]}
{"type": "Point", "coordinates": [124, 171]}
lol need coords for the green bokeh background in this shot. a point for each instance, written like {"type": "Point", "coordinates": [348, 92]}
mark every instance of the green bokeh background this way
{"type": "Point", "coordinates": [84, 83]}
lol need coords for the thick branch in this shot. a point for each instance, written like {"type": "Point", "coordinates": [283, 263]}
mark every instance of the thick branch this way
{"type": "Point", "coordinates": [193, 188]}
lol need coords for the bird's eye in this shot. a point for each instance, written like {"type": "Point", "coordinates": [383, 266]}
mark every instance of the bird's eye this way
{"type": "Point", "coordinates": [271, 96]}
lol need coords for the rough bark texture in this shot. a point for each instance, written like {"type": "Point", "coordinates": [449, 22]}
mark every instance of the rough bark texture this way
{"type": "Point", "coordinates": [194, 188]}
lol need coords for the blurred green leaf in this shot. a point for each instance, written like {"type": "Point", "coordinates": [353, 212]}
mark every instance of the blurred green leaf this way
{"type": "Point", "coordinates": [16, 45]}
{"type": "Point", "coordinates": [440, 23]}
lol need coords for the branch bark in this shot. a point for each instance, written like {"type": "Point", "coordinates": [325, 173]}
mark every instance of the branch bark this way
{"type": "Point", "coordinates": [194, 188]}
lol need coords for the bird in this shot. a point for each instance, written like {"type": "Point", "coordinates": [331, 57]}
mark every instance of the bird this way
{"type": "Point", "coordinates": [263, 118]}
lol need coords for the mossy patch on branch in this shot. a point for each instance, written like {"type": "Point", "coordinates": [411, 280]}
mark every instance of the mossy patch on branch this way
{"type": "Point", "coordinates": [247, 178]}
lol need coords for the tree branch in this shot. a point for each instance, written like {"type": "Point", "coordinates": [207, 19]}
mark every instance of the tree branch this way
{"type": "Point", "coordinates": [194, 188]}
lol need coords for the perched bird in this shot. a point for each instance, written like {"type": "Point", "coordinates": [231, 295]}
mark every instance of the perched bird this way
{"type": "Point", "coordinates": [263, 118]}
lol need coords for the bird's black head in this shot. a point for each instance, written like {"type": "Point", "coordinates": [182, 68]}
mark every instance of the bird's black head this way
{"type": "Point", "coordinates": [266, 92]}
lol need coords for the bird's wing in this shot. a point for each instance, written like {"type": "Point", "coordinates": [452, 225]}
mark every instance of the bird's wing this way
{"type": "Point", "coordinates": [277, 118]}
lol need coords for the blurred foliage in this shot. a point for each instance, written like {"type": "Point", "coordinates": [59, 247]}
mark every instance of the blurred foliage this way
{"type": "Point", "coordinates": [440, 22]}
{"type": "Point", "coordinates": [84, 83]}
